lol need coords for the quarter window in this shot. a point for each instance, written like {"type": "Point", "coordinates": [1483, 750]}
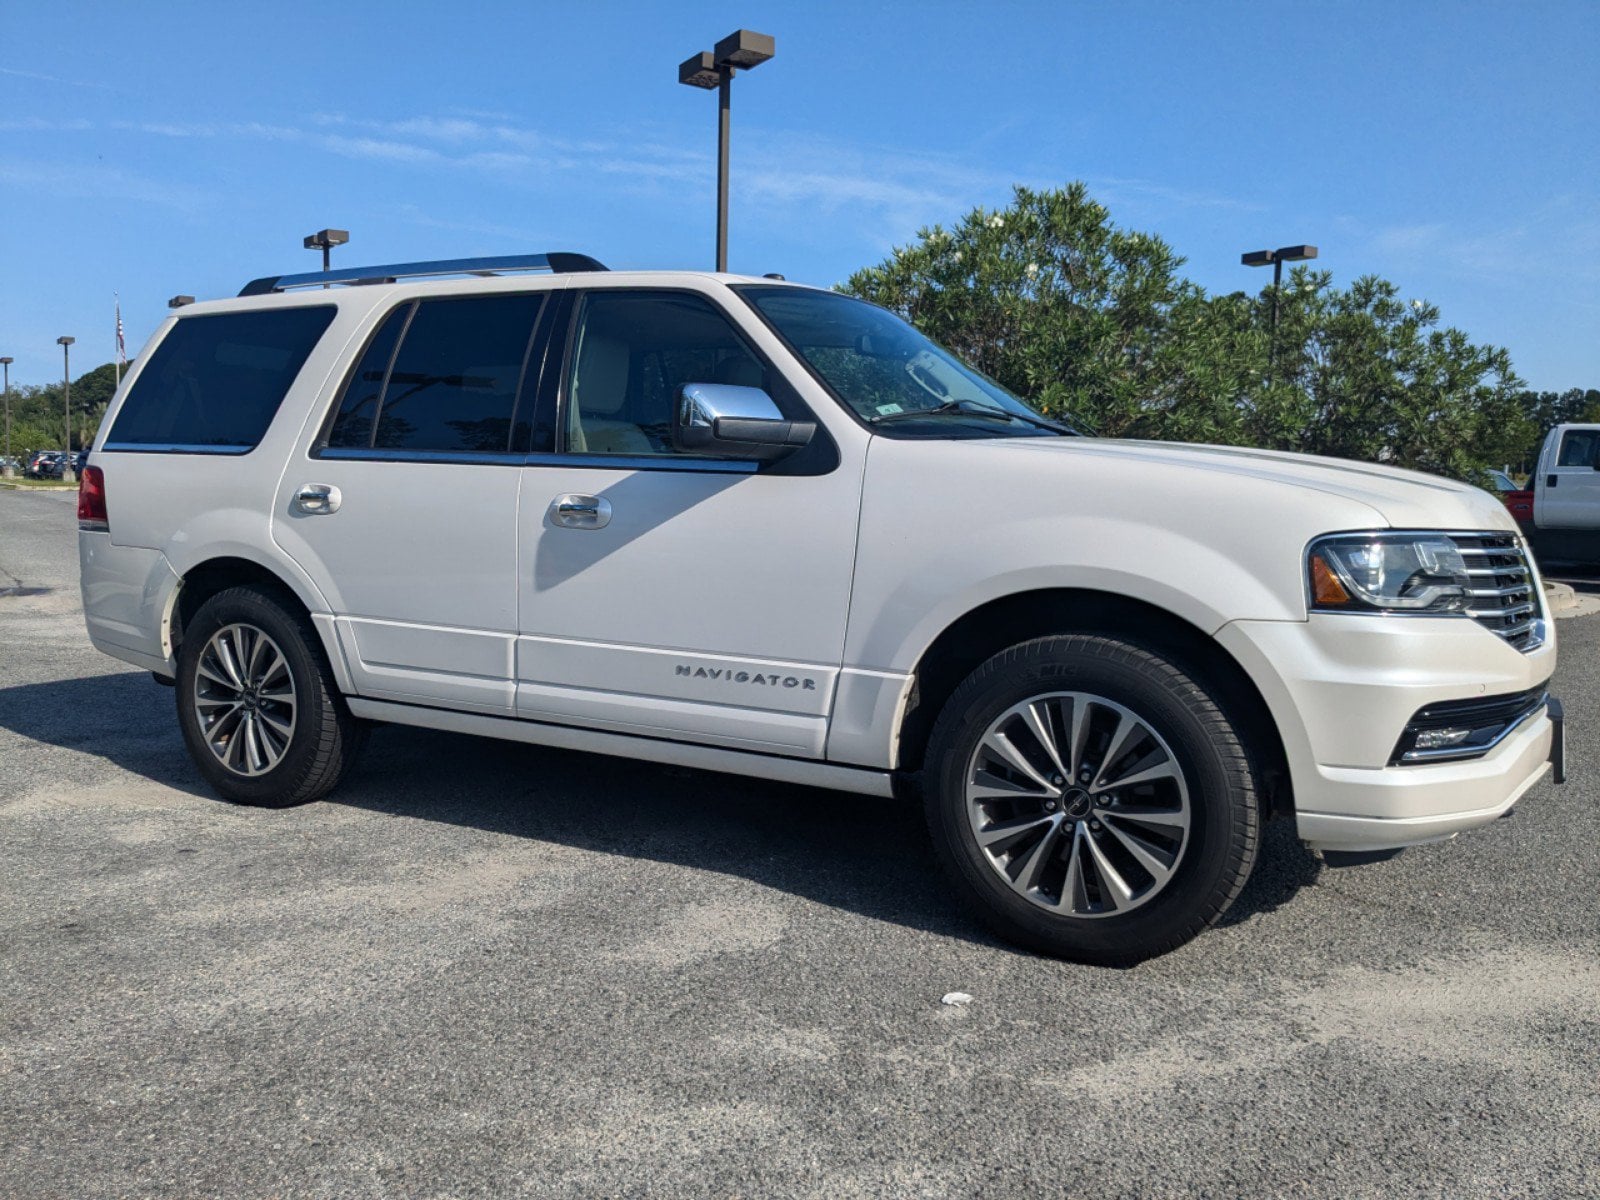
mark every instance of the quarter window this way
{"type": "Point", "coordinates": [352, 427]}
{"type": "Point", "coordinates": [1578, 447]}
{"type": "Point", "coordinates": [452, 383]}
{"type": "Point", "coordinates": [632, 354]}
{"type": "Point", "coordinates": [215, 382]}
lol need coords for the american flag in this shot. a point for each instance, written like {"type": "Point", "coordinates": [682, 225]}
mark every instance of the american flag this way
{"type": "Point", "coordinates": [122, 346]}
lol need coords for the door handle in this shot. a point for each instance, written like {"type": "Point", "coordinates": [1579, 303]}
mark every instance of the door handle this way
{"type": "Point", "coordinates": [318, 498]}
{"type": "Point", "coordinates": [1550, 480]}
{"type": "Point", "coordinates": [581, 512]}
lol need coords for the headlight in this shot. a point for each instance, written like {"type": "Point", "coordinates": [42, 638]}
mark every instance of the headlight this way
{"type": "Point", "coordinates": [1387, 572]}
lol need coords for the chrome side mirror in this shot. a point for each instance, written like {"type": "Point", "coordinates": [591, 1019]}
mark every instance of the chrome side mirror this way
{"type": "Point", "coordinates": [727, 421]}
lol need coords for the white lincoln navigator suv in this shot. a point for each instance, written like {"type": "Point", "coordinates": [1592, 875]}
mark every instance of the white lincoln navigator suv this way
{"type": "Point", "coordinates": [744, 525]}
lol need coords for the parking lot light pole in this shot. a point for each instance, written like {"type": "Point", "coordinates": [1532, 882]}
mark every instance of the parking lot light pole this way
{"type": "Point", "coordinates": [741, 50]}
{"type": "Point", "coordinates": [8, 472]}
{"type": "Point", "coordinates": [325, 240]}
{"type": "Point", "coordinates": [1260, 258]}
{"type": "Point", "coordinates": [68, 475]}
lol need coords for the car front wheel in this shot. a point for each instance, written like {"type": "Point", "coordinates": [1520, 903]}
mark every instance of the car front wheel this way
{"type": "Point", "coordinates": [1092, 799]}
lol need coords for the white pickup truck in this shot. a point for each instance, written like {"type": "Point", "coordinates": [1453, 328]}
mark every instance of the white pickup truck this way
{"type": "Point", "coordinates": [749, 526]}
{"type": "Point", "coordinates": [1560, 511]}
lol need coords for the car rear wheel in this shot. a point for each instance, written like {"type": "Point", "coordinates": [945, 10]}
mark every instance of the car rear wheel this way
{"type": "Point", "coordinates": [257, 702]}
{"type": "Point", "coordinates": [1092, 799]}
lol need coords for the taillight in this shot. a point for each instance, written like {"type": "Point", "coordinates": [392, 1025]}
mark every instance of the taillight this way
{"type": "Point", "coordinates": [92, 499]}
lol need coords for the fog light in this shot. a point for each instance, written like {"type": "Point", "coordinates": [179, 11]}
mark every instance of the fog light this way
{"type": "Point", "coordinates": [1438, 739]}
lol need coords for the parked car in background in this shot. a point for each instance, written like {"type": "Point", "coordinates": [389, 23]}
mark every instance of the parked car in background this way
{"type": "Point", "coordinates": [51, 464]}
{"type": "Point", "coordinates": [1560, 515]}
{"type": "Point", "coordinates": [1517, 499]}
{"type": "Point", "coordinates": [45, 464]}
{"type": "Point", "coordinates": [745, 525]}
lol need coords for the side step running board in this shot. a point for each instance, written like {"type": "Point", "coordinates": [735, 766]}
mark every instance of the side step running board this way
{"type": "Point", "coordinates": [680, 754]}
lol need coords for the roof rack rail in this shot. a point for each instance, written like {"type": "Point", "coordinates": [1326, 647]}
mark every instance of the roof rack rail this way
{"type": "Point", "coordinates": [556, 261]}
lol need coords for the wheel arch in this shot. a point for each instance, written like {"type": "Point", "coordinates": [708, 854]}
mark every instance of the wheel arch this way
{"type": "Point", "coordinates": [963, 645]}
{"type": "Point", "coordinates": [207, 578]}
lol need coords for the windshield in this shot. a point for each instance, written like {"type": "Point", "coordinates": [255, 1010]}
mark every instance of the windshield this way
{"type": "Point", "coordinates": [893, 377]}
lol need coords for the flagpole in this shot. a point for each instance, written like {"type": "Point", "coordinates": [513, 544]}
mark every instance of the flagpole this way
{"type": "Point", "coordinates": [120, 351]}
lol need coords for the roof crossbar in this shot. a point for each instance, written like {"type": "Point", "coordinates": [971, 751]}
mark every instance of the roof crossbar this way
{"type": "Point", "coordinates": [556, 261]}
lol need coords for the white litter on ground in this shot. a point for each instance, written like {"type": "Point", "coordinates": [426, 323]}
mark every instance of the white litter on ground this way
{"type": "Point", "coordinates": [959, 999]}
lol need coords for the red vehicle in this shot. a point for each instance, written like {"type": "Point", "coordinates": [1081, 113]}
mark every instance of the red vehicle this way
{"type": "Point", "coordinates": [1518, 500]}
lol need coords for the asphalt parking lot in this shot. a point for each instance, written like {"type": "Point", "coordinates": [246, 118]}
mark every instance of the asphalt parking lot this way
{"type": "Point", "coordinates": [493, 970]}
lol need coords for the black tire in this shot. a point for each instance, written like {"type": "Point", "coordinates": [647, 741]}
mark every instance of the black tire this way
{"type": "Point", "coordinates": [326, 738]}
{"type": "Point", "coordinates": [1217, 771]}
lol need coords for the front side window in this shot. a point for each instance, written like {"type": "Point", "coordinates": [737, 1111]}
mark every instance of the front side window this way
{"type": "Point", "coordinates": [887, 373]}
{"type": "Point", "coordinates": [215, 382]}
{"type": "Point", "coordinates": [632, 353]}
{"type": "Point", "coordinates": [1578, 448]}
{"type": "Point", "coordinates": [441, 376]}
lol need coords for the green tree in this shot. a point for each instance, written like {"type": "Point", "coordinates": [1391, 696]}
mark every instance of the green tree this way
{"type": "Point", "coordinates": [1090, 320]}
{"type": "Point", "coordinates": [1364, 374]}
{"type": "Point", "coordinates": [1051, 299]}
{"type": "Point", "coordinates": [38, 416]}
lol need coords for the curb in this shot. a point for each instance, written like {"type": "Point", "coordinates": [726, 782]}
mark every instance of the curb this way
{"type": "Point", "coordinates": [1563, 601]}
{"type": "Point", "coordinates": [1560, 597]}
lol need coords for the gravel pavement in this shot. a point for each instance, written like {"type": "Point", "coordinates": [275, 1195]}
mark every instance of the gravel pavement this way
{"type": "Point", "coordinates": [484, 969]}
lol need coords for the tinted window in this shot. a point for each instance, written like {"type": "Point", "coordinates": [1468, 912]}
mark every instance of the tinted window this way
{"type": "Point", "coordinates": [218, 381]}
{"type": "Point", "coordinates": [1578, 448]}
{"type": "Point", "coordinates": [352, 427]}
{"type": "Point", "coordinates": [454, 381]}
{"type": "Point", "coordinates": [632, 353]}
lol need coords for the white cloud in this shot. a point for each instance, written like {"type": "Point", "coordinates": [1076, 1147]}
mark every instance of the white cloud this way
{"type": "Point", "coordinates": [77, 83]}
{"type": "Point", "coordinates": [883, 193]}
{"type": "Point", "coordinates": [1113, 189]}
{"type": "Point", "coordinates": [496, 160]}
{"type": "Point", "coordinates": [379, 148]}
{"type": "Point", "coordinates": [96, 181]}
{"type": "Point", "coordinates": [43, 125]}
{"type": "Point", "coordinates": [1513, 252]}
{"type": "Point", "coordinates": [499, 232]}
{"type": "Point", "coordinates": [444, 129]}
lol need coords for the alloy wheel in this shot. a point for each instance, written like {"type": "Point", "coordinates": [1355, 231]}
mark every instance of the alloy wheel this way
{"type": "Point", "coordinates": [1078, 804]}
{"type": "Point", "coordinates": [245, 699]}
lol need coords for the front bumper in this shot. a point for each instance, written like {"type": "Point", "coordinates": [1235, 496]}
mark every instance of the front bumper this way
{"type": "Point", "coordinates": [1424, 804]}
{"type": "Point", "coordinates": [1341, 688]}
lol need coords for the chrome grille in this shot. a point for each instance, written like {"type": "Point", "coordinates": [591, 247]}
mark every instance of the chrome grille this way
{"type": "Point", "coordinates": [1504, 598]}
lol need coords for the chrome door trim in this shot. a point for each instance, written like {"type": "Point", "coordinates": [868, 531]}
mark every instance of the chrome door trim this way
{"type": "Point", "coordinates": [317, 499]}
{"type": "Point", "coordinates": [571, 510]}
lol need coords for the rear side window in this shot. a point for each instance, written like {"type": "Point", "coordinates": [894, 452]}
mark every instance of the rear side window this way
{"type": "Point", "coordinates": [364, 389]}
{"type": "Point", "coordinates": [215, 383]}
{"type": "Point", "coordinates": [442, 376]}
{"type": "Point", "coordinates": [1578, 448]}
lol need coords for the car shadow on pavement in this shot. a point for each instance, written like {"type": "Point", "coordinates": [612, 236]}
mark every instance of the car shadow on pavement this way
{"type": "Point", "coordinates": [858, 853]}
{"type": "Point", "coordinates": [124, 717]}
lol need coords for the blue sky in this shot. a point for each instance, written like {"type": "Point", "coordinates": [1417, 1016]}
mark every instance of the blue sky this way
{"type": "Point", "coordinates": [188, 148]}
